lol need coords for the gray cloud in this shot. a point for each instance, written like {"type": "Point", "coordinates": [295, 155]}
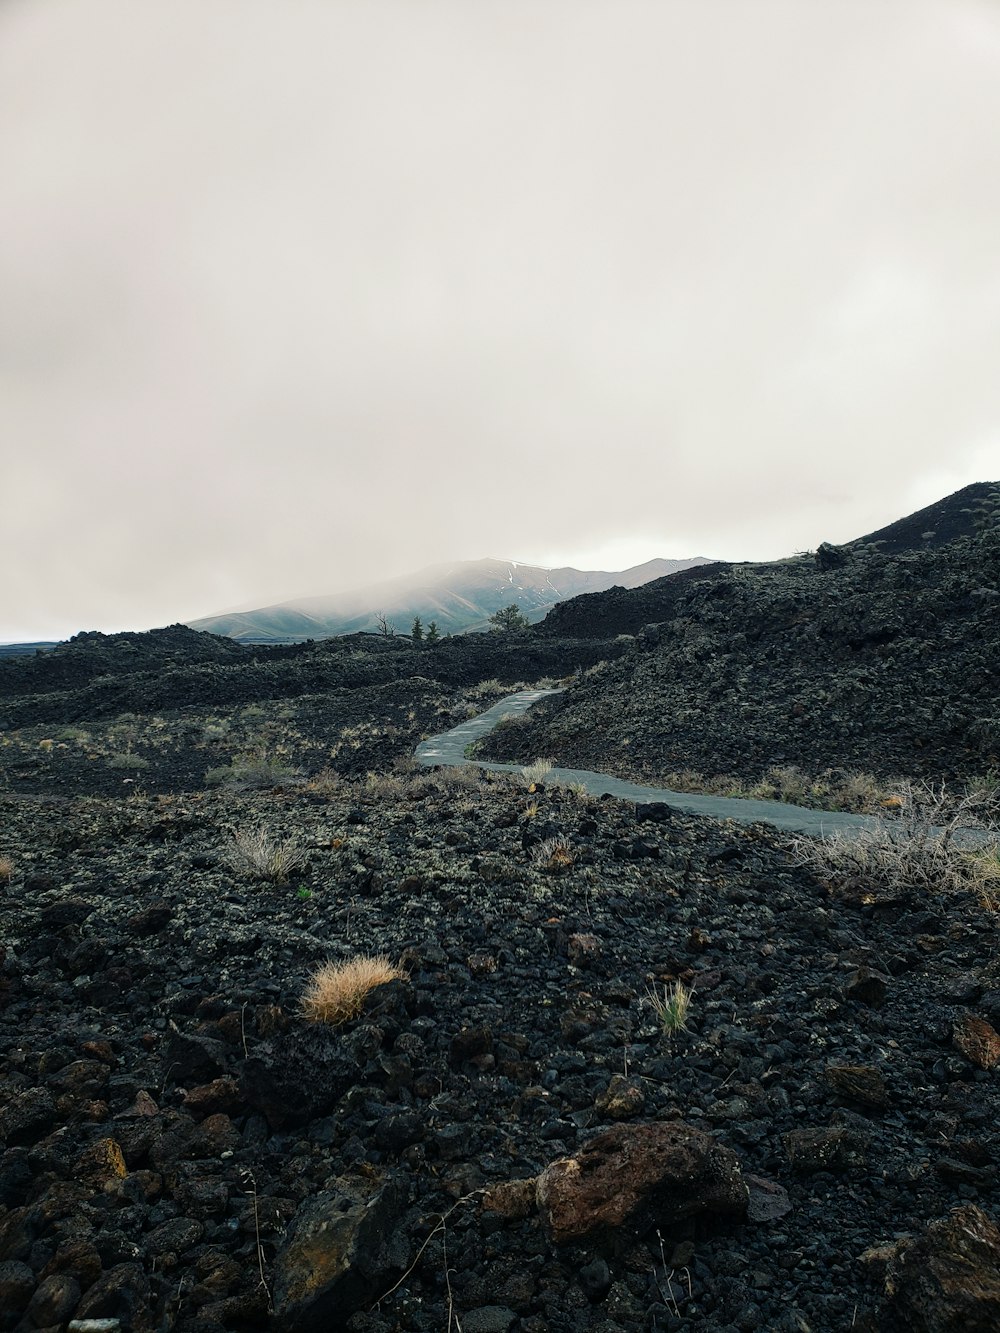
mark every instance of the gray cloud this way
{"type": "Point", "coordinates": [297, 295]}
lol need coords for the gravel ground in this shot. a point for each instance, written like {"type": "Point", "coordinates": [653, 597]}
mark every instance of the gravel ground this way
{"type": "Point", "coordinates": [172, 1128]}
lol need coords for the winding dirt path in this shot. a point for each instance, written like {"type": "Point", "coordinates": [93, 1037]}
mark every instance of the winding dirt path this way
{"type": "Point", "coordinates": [449, 748]}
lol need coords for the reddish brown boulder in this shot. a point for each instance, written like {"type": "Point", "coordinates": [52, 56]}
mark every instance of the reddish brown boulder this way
{"type": "Point", "coordinates": [512, 1199]}
{"type": "Point", "coordinates": [222, 1094]}
{"type": "Point", "coordinates": [636, 1177]}
{"type": "Point", "coordinates": [977, 1040]}
{"type": "Point", "coordinates": [946, 1280]}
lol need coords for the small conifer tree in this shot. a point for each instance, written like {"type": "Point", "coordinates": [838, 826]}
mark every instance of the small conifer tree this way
{"type": "Point", "coordinates": [509, 618]}
{"type": "Point", "coordinates": [417, 630]}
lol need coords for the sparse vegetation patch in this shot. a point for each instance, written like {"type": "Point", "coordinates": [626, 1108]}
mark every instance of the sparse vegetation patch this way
{"type": "Point", "coordinates": [336, 992]}
{"type": "Point", "coordinates": [926, 841]}
{"type": "Point", "coordinates": [671, 1005]}
{"type": "Point", "coordinates": [254, 853]}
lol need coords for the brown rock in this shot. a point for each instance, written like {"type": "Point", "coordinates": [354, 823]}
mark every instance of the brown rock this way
{"type": "Point", "coordinates": [247, 1309]}
{"type": "Point", "coordinates": [512, 1199]}
{"type": "Point", "coordinates": [222, 1094]}
{"type": "Point", "coordinates": [866, 986]}
{"type": "Point", "coordinates": [231, 1027]}
{"type": "Point", "coordinates": [120, 1293]}
{"type": "Point", "coordinates": [150, 1183]}
{"type": "Point", "coordinates": [946, 1280]}
{"type": "Point", "coordinates": [637, 1177]}
{"type": "Point", "coordinates": [335, 1258]}
{"type": "Point", "coordinates": [977, 1040]}
{"type": "Point", "coordinates": [100, 1050]}
{"type": "Point", "coordinates": [81, 1078]}
{"type": "Point", "coordinates": [173, 1237]}
{"type": "Point", "coordinates": [202, 1196]}
{"type": "Point", "coordinates": [143, 1106]}
{"type": "Point", "coordinates": [768, 1201]}
{"type": "Point", "coordinates": [220, 1275]}
{"type": "Point", "coordinates": [215, 1135]}
{"type": "Point", "coordinates": [270, 1019]}
{"type": "Point", "coordinates": [78, 1258]}
{"type": "Point", "coordinates": [18, 1231]}
{"type": "Point", "coordinates": [622, 1099]}
{"type": "Point", "coordinates": [858, 1083]}
{"type": "Point", "coordinates": [27, 1117]}
{"type": "Point", "coordinates": [151, 919]}
{"type": "Point", "coordinates": [470, 1043]}
{"type": "Point", "coordinates": [94, 1111]}
{"type": "Point", "coordinates": [101, 1164]}
{"type": "Point", "coordinates": [833, 1149]}
{"type": "Point", "coordinates": [17, 1282]}
{"type": "Point", "coordinates": [55, 1299]}
{"type": "Point", "coordinates": [583, 949]}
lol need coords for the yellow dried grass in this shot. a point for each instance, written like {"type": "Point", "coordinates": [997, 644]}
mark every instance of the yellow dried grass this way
{"type": "Point", "coordinates": [335, 993]}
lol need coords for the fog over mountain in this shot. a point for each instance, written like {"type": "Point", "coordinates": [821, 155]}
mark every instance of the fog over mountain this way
{"type": "Point", "coordinates": [298, 296]}
{"type": "Point", "coordinates": [456, 597]}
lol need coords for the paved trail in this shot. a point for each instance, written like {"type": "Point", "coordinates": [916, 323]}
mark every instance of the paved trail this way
{"type": "Point", "coordinates": [449, 748]}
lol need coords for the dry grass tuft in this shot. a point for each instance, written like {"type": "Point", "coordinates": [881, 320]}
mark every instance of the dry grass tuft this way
{"type": "Point", "coordinates": [254, 772]}
{"type": "Point", "coordinates": [336, 992]}
{"type": "Point", "coordinates": [462, 777]}
{"type": "Point", "coordinates": [983, 869]}
{"type": "Point", "coordinates": [6, 869]}
{"type": "Point", "coordinates": [253, 852]}
{"type": "Point", "coordinates": [536, 772]}
{"type": "Point", "coordinates": [554, 855]}
{"type": "Point", "coordinates": [917, 843]}
{"type": "Point", "coordinates": [832, 789]}
{"type": "Point", "coordinates": [386, 786]}
{"type": "Point", "coordinates": [327, 783]}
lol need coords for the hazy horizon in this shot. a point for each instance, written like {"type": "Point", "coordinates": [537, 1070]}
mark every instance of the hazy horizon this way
{"type": "Point", "coordinates": [300, 296]}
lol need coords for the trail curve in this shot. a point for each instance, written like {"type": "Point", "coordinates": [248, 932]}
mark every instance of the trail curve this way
{"type": "Point", "coordinates": [449, 749]}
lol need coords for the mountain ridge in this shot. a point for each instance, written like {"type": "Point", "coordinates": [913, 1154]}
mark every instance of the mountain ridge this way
{"type": "Point", "coordinates": [460, 595]}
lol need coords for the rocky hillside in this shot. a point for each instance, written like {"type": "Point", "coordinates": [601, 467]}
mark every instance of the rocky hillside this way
{"type": "Point", "coordinates": [849, 658]}
{"type": "Point", "coordinates": [964, 513]}
{"type": "Point", "coordinates": [515, 1137]}
{"type": "Point", "coordinates": [622, 610]}
{"type": "Point", "coordinates": [92, 655]}
{"type": "Point", "coordinates": [619, 610]}
{"type": "Point", "coordinates": [96, 676]}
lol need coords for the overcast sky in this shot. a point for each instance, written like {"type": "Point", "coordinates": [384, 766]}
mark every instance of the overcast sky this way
{"type": "Point", "coordinates": [298, 294]}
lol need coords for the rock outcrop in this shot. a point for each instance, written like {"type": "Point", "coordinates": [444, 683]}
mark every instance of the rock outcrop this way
{"type": "Point", "coordinates": [632, 1179]}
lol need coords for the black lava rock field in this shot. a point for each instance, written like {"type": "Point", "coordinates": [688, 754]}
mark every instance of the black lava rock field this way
{"type": "Point", "coordinates": [178, 1140]}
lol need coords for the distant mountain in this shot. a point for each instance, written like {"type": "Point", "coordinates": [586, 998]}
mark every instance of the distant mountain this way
{"type": "Point", "coordinates": [459, 596]}
{"type": "Point", "coordinates": [26, 649]}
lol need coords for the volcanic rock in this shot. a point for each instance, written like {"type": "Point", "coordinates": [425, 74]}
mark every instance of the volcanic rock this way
{"type": "Point", "coordinates": [632, 1178]}
{"type": "Point", "coordinates": [337, 1255]}
{"type": "Point", "coordinates": [946, 1280]}
{"type": "Point", "coordinates": [978, 1041]}
{"type": "Point", "coordinates": [301, 1075]}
